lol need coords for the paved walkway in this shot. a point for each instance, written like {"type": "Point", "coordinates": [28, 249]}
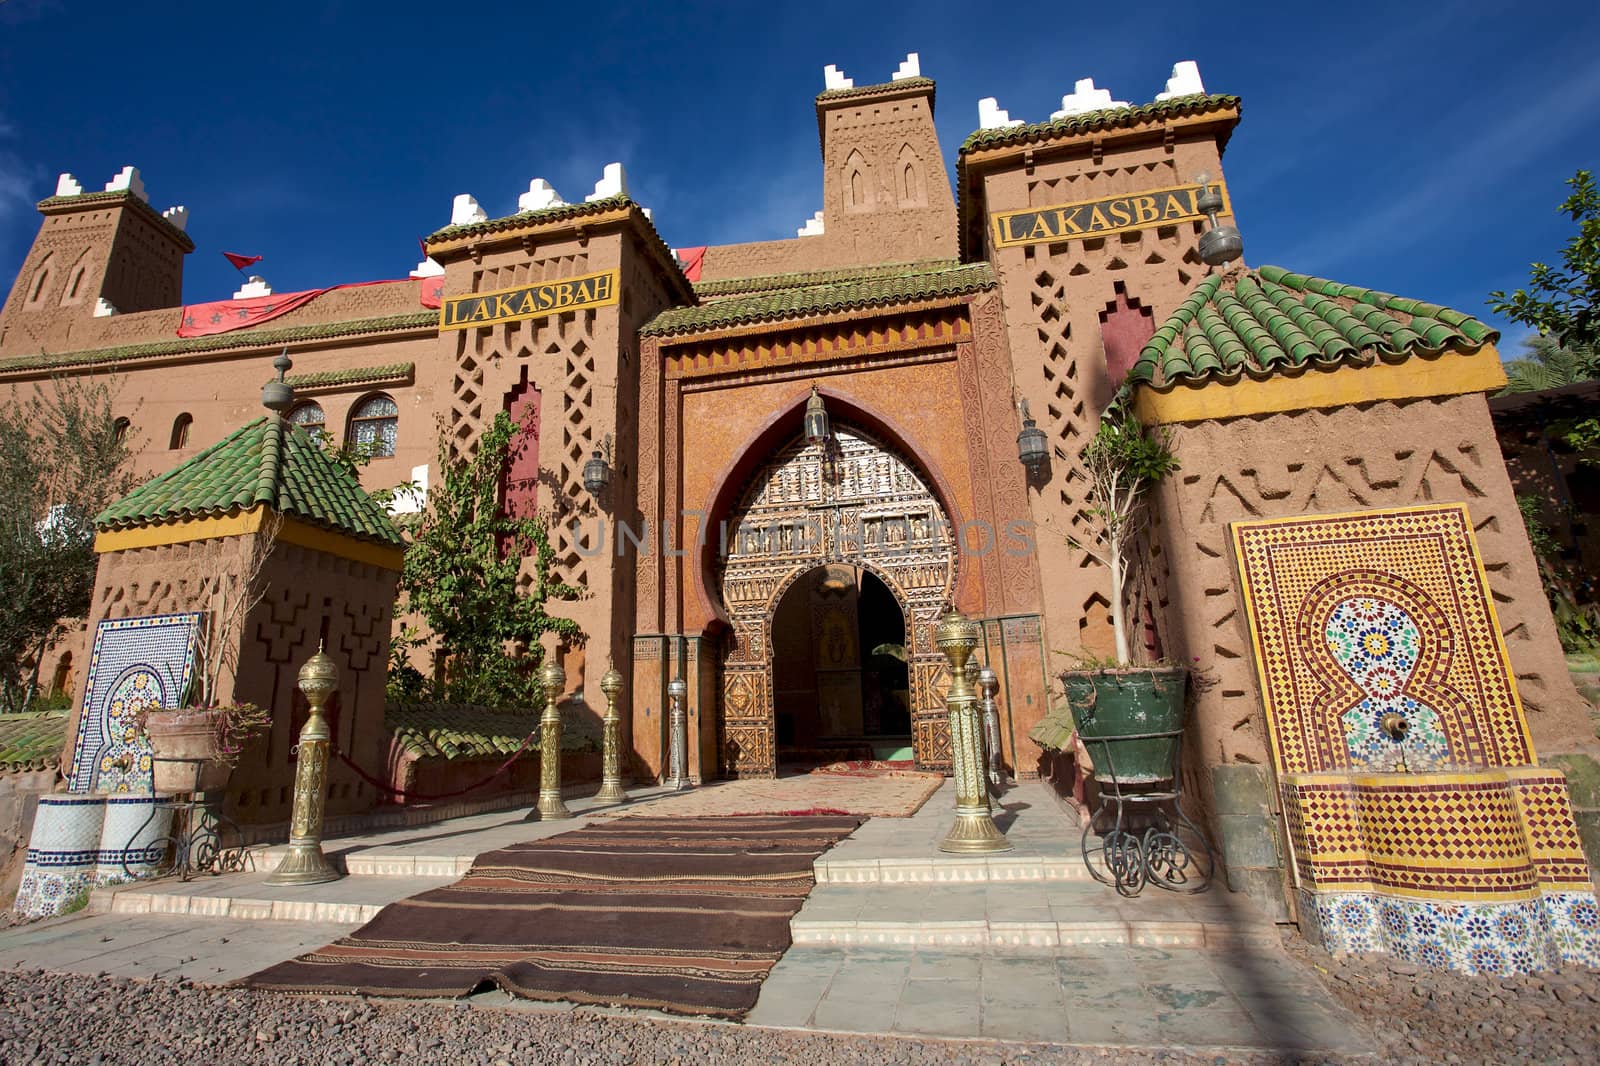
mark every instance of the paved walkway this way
{"type": "Point", "coordinates": [885, 944]}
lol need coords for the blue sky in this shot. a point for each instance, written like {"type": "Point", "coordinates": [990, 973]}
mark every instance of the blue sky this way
{"type": "Point", "coordinates": [1416, 148]}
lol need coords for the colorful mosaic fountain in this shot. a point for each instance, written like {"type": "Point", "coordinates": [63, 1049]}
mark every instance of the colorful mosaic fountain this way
{"type": "Point", "coordinates": [1421, 823]}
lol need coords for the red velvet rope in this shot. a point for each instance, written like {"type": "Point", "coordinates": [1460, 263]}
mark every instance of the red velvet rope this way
{"type": "Point", "coordinates": [385, 787]}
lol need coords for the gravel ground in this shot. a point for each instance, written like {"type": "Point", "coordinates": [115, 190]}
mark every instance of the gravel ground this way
{"type": "Point", "coordinates": [1422, 1016]}
{"type": "Point", "coordinates": [63, 1018]}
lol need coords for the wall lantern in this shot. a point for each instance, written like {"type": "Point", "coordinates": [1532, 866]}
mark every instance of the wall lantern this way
{"type": "Point", "coordinates": [816, 422]}
{"type": "Point", "coordinates": [1219, 244]}
{"type": "Point", "coordinates": [1032, 450]}
{"type": "Point", "coordinates": [597, 471]}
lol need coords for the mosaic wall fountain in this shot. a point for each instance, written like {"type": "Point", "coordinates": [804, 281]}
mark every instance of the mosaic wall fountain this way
{"type": "Point", "coordinates": [1421, 823]}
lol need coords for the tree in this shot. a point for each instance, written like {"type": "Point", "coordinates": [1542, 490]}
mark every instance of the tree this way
{"type": "Point", "coordinates": [1560, 302]}
{"type": "Point", "coordinates": [1123, 462]}
{"type": "Point", "coordinates": [62, 461]}
{"type": "Point", "coordinates": [463, 575]}
{"type": "Point", "coordinates": [1546, 364]}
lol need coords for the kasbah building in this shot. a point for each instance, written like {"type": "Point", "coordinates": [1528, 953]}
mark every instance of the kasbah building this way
{"type": "Point", "coordinates": [764, 569]}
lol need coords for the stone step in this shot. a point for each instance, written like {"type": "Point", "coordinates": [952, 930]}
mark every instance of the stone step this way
{"type": "Point", "coordinates": [1000, 916]}
{"type": "Point", "coordinates": [380, 862]}
{"type": "Point", "coordinates": [247, 897]}
{"type": "Point", "coordinates": [949, 869]}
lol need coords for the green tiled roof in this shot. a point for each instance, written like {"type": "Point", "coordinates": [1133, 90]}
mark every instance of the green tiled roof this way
{"type": "Point", "coordinates": [877, 289]}
{"type": "Point", "coordinates": [1270, 321]}
{"type": "Point", "coordinates": [769, 282]}
{"type": "Point", "coordinates": [463, 731]}
{"type": "Point", "coordinates": [355, 375]}
{"type": "Point", "coordinates": [526, 218]}
{"type": "Point", "coordinates": [31, 741]}
{"type": "Point", "coordinates": [881, 89]}
{"type": "Point", "coordinates": [182, 237]}
{"type": "Point", "coordinates": [269, 462]}
{"type": "Point", "coordinates": [243, 338]}
{"type": "Point", "coordinates": [1089, 121]}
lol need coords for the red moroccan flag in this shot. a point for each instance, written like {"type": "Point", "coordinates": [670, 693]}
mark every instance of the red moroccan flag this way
{"type": "Point", "coordinates": [241, 261]}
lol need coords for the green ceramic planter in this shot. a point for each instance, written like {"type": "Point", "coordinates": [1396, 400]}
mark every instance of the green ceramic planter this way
{"type": "Point", "coordinates": [1109, 706]}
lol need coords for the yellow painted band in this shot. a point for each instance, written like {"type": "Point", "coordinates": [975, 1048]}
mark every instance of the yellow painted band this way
{"type": "Point", "coordinates": [1449, 374]}
{"type": "Point", "coordinates": [292, 531]}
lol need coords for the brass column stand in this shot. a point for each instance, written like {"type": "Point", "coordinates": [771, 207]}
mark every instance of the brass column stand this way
{"type": "Point", "coordinates": [304, 863]}
{"type": "Point", "coordinates": [611, 790]}
{"type": "Point", "coordinates": [974, 829]}
{"type": "Point", "coordinates": [551, 807]}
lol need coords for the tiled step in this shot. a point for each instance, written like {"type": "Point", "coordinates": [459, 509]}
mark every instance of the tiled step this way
{"type": "Point", "coordinates": [380, 862]}
{"type": "Point", "coordinates": [1040, 914]}
{"type": "Point", "coordinates": [948, 869]}
{"type": "Point", "coordinates": [248, 897]}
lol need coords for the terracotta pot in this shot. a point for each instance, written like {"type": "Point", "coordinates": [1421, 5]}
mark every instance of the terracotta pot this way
{"type": "Point", "coordinates": [184, 746]}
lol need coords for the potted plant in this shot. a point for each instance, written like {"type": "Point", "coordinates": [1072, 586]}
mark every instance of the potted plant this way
{"type": "Point", "coordinates": [1116, 700]}
{"type": "Point", "coordinates": [194, 749]}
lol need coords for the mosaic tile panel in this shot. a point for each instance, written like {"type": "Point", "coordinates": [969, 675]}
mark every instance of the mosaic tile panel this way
{"type": "Point", "coordinates": [62, 853]}
{"type": "Point", "coordinates": [1355, 616]}
{"type": "Point", "coordinates": [1478, 872]}
{"type": "Point", "coordinates": [136, 663]}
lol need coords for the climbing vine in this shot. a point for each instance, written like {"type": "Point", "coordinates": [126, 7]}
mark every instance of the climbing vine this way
{"type": "Point", "coordinates": [463, 576]}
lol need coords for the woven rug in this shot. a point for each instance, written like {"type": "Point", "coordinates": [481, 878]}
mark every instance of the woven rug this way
{"type": "Point", "coordinates": [893, 793]}
{"type": "Point", "coordinates": [678, 914]}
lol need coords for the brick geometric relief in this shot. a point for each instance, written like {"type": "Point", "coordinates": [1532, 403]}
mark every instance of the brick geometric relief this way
{"type": "Point", "coordinates": [1356, 616]}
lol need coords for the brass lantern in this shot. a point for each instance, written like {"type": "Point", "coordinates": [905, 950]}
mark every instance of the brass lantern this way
{"type": "Point", "coordinates": [1032, 449]}
{"type": "Point", "coordinates": [816, 422]}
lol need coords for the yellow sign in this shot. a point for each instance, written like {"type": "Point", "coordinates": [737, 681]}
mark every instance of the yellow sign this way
{"type": "Point", "coordinates": [529, 301]}
{"type": "Point", "coordinates": [1101, 218]}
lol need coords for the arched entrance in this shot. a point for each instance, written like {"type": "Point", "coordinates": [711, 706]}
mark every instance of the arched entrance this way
{"type": "Point", "coordinates": [844, 512]}
{"type": "Point", "coordinates": [840, 684]}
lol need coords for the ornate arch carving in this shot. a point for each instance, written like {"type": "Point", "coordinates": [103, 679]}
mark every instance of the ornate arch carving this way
{"type": "Point", "coordinates": [861, 504]}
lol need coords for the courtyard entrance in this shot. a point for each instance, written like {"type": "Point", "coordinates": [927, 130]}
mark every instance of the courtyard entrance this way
{"type": "Point", "coordinates": [838, 560]}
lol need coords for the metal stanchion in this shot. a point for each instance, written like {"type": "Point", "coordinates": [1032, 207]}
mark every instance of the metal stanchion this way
{"type": "Point", "coordinates": [974, 829]}
{"type": "Point", "coordinates": [304, 863]}
{"type": "Point", "coordinates": [989, 684]}
{"type": "Point", "coordinates": [611, 790]}
{"type": "Point", "coordinates": [679, 739]}
{"type": "Point", "coordinates": [551, 806]}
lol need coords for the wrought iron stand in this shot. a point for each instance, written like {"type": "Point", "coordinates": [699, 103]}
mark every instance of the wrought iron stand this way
{"type": "Point", "coordinates": [198, 841]}
{"type": "Point", "coordinates": [1159, 855]}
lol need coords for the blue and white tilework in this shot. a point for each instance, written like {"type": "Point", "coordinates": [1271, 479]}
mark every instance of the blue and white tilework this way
{"type": "Point", "coordinates": [1502, 938]}
{"type": "Point", "coordinates": [133, 838]}
{"type": "Point", "coordinates": [62, 854]}
{"type": "Point", "coordinates": [136, 663]}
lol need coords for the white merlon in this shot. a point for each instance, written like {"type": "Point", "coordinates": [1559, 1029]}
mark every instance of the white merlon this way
{"type": "Point", "coordinates": [813, 226]}
{"type": "Point", "coordinates": [1084, 98]}
{"type": "Point", "coordinates": [104, 308]}
{"type": "Point", "coordinates": [833, 78]}
{"type": "Point", "coordinates": [540, 195]}
{"type": "Point", "coordinates": [464, 209]}
{"type": "Point", "coordinates": [128, 180]}
{"type": "Point", "coordinates": [67, 185]}
{"type": "Point", "coordinates": [648, 214]}
{"type": "Point", "coordinates": [991, 116]}
{"type": "Point", "coordinates": [613, 182]}
{"type": "Point", "coordinates": [911, 68]}
{"type": "Point", "coordinates": [178, 216]}
{"type": "Point", "coordinates": [427, 269]}
{"type": "Point", "coordinates": [411, 498]}
{"type": "Point", "coordinates": [1185, 81]}
{"type": "Point", "coordinates": [256, 286]}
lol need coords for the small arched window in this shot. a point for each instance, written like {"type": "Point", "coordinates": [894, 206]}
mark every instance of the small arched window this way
{"type": "Point", "coordinates": [38, 285]}
{"type": "Point", "coordinates": [180, 430]}
{"type": "Point", "coordinates": [374, 425]}
{"type": "Point", "coordinates": [309, 417]}
{"type": "Point", "coordinates": [119, 430]}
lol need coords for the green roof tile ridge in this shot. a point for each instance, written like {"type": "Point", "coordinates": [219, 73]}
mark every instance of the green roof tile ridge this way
{"type": "Point", "coordinates": [1251, 333]}
{"type": "Point", "coordinates": [833, 296]}
{"type": "Point", "coordinates": [1230, 349]}
{"type": "Point", "coordinates": [1093, 120]}
{"type": "Point", "coordinates": [557, 213]}
{"type": "Point", "coordinates": [243, 338]}
{"type": "Point", "coordinates": [1329, 343]}
{"type": "Point", "coordinates": [875, 89]}
{"type": "Point", "coordinates": [322, 378]}
{"type": "Point", "coordinates": [1289, 336]}
{"type": "Point", "coordinates": [807, 278]}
